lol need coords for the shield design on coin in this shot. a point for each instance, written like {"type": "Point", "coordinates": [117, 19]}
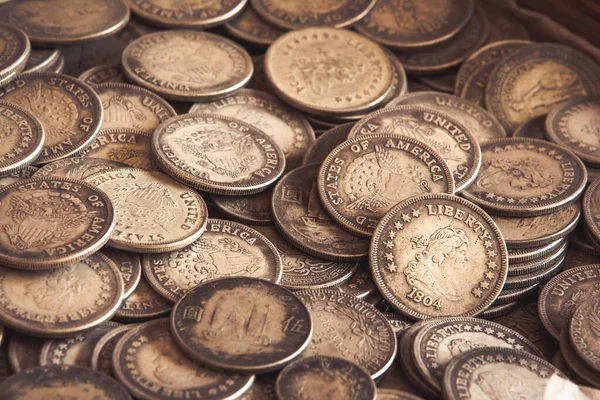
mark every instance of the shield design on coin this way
{"type": "Point", "coordinates": [118, 109]}
{"type": "Point", "coordinates": [151, 201]}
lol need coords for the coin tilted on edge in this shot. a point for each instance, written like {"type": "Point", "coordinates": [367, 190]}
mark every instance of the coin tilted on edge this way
{"type": "Point", "coordinates": [131, 147]}
{"type": "Point", "coordinates": [523, 177]}
{"type": "Point", "coordinates": [249, 27]}
{"type": "Point", "coordinates": [129, 265]}
{"type": "Point", "coordinates": [76, 167]}
{"type": "Point", "coordinates": [153, 212]}
{"type": "Point", "coordinates": [326, 142]}
{"type": "Point", "coordinates": [17, 176]}
{"type": "Point", "coordinates": [450, 139]}
{"type": "Point", "coordinates": [166, 63]}
{"type": "Point", "coordinates": [150, 364]}
{"type": "Point", "coordinates": [68, 109]}
{"type": "Point", "coordinates": [357, 78]}
{"type": "Point", "coordinates": [15, 50]}
{"type": "Point", "coordinates": [225, 249]}
{"type": "Point", "coordinates": [24, 352]}
{"type": "Point", "coordinates": [253, 209]}
{"type": "Point", "coordinates": [42, 60]}
{"type": "Point", "coordinates": [102, 353]}
{"type": "Point", "coordinates": [62, 301]}
{"type": "Point", "coordinates": [438, 255]}
{"type": "Point", "coordinates": [144, 303]}
{"type": "Point", "coordinates": [303, 221]}
{"type": "Point", "coordinates": [583, 328]}
{"type": "Point", "coordinates": [22, 137]}
{"type": "Point", "coordinates": [363, 178]}
{"type": "Point", "coordinates": [218, 154]}
{"type": "Point", "coordinates": [334, 314]}
{"type": "Point", "coordinates": [51, 222]}
{"type": "Point", "coordinates": [591, 209]}
{"type": "Point", "coordinates": [309, 378]}
{"type": "Point", "coordinates": [241, 324]}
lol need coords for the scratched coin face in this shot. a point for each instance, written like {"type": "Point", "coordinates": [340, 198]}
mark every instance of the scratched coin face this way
{"type": "Point", "coordinates": [363, 178]}
{"type": "Point", "coordinates": [583, 328]}
{"type": "Point", "coordinates": [129, 147]}
{"type": "Point", "coordinates": [14, 52]}
{"type": "Point", "coordinates": [76, 167]}
{"type": "Point", "coordinates": [241, 324]}
{"type": "Point", "coordinates": [250, 27]}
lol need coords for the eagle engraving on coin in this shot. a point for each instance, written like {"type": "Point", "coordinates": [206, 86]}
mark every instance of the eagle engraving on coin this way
{"type": "Point", "coordinates": [150, 204]}
{"type": "Point", "coordinates": [526, 173]}
{"type": "Point", "coordinates": [118, 109]}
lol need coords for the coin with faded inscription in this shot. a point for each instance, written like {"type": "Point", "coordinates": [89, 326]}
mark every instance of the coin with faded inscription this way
{"type": "Point", "coordinates": [41, 60]}
{"type": "Point", "coordinates": [481, 124]}
{"type": "Point", "coordinates": [406, 24]}
{"type": "Point", "coordinates": [101, 74]}
{"type": "Point", "coordinates": [76, 167]}
{"type": "Point", "coordinates": [102, 353]}
{"type": "Point", "coordinates": [522, 177]}
{"type": "Point", "coordinates": [56, 23]}
{"type": "Point", "coordinates": [62, 301]}
{"type": "Point", "coordinates": [153, 212]}
{"type": "Point", "coordinates": [449, 137]}
{"type": "Point", "coordinates": [22, 137]}
{"type": "Point", "coordinates": [439, 342]}
{"type": "Point", "coordinates": [363, 178]}
{"type": "Point", "coordinates": [325, 143]}
{"type": "Point", "coordinates": [496, 371]}
{"type": "Point", "coordinates": [250, 27]}
{"type": "Point", "coordinates": [75, 350]}
{"type": "Point", "coordinates": [15, 50]}
{"type": "Point", "coordinates": [51, 222]}
{"type": "Point", "coordinates": [24, 352]}
{"type": "Point", "coordinates": [575, 363]}
{"type": "Point", "coordinates": [535, 128]}
{"type": "Point", "coordinates": [226, 249]}
{"type": "Point", "coordinates": [166, 63]}
{"type": "Point", "coordinates": [129, 147]}
{"type": "Point", "coordinates": [302, 220]}
{"type": "Point", "coordinates": [533, 80]}
{"type": "Point", "coordinates": [391, 394]}
{"type": "Point", "coordinates": [329, 72]}
{"type": "Point", "coordinates": [359, 285]}
{"type": "Point", "coordinates": [218, 154]}
{"type": "Point", "coordinates": [345, 327]}
{"type": "Point", "coordinates": [253, 209]}
{"type": "Point", "coordinates": [409, 368]}
{"type": "Point", "coordinates": [144, 303]}
{"type": "Point", "coordinates": [129, 265]}
{"type": "Point", "coordinates": [17, 176]}
{"type": "Point", "coordinates": [288, 128]}
{"type": "Point", "coordinates": [68, 109]}
{"type": "Point", "coordinates": [314, 378]}
{"type": "Point", "coordinates": [583, 328]}
{"type": "Point", "coordinates": [263, 388]}
{"type": "Point", "coordinates": [151, 365]}
{"type": "Point", "coordinates": [241, 324]}
{"type": "Point", "coordinates": [398, 322]}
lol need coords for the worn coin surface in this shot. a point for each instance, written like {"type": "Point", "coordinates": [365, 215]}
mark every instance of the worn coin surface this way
{"type": "Point", "coordinates": [75, 350]}
{"type": "Point", "coordinates": [241, 324]}
{"type": "Point", "coordinates": [311, 377]}
{"type": "Point", "coordinates": [153, 212]}
{"type": "Point", "coordinates": [218, 154]}
{"type": "Point", "coordinates": [303, 221]}
{"type": "Point", "coordinates": [536, 276]}
{"type": "Point", "coordinates": [56, 23]}
{"type": "Point", "coordinates": [249, 27]}
{"type": "Point", "coordinates": [150, 364]}
{"type": "Point", "coordinates": [583, 329]}
{"type": "Point", "coordinates": [591, 210]}
{"type": "Point", "coordinates": [44, 60]}
{"type": "Point", "coordinates": [129, 265]}
{"type": "Point", "coordinates": [574, 125]}
{"type": "Point", "coordinates": [166, 63]}
{"type": "Point", "coordinates": [17, 176]}
{"type": "Point", "coordinates": [575, 363]}
{"type": "Point", "coordinates": [363, 178]}
{"type": "Point", "coordinates": [325, 143]}
{"type": "Point", "coordinates": [300, 14]}
{"type": "Point", "coordinates": [526, 177]}
{"type": "Point", "coordinates": [407, 24]}
{"type": "Point", "coordinates": [102, 353]}
{"type": "Point", "coordinates": [288, 128]}
{"type": "Point", "coordinates": [76, 167]}
{"type": "Point", "coordinates": [15, 50]}
{"type": "Point", "coordinates": [68, 109]}
{"type": "Point", "coordinates": [24, 352]}
{"type": "Point", "coordinates": [360, 284]}
{"type": "Point", "coordinates": [535, 128]}
{"type": "Point", "coordinates": [254, 209]}
{"type": "Point", "coordinates": [22, 137]}
{"type": "Point", "coordinates": [50, 222]}
{"type": "Point", "coordinates": [226, 249]}
{"type": "Point", "coordinates": [345, 327]}
{"type": "Point", "coordinates": [496, 371]}
{"type": "Point", "coordinates": [144, 303]}
{"type": "Point", "coordinates": [398, 322]}
{"type": "Point", "coordinates": [476, 120]}
{"type": "Point", "coordinates": [104, 73]}
{"type": "Point", "coordinates": [130, 147]}
{"type": "Point", "coordinates": [62, 382]}
{"type": "Point", "coordinates": [438, 255]}
{"type": "Point", "coordinates": [450, 138]}
{"type": "Point", "coordinates": [439, 342]}
{"type": "Point", "coordinates": [132, 107]}
{"type": "Point", "coordinates": [62, 301]}
{"type": "Point", "coordinates": [533, 80]}
{"type": "Point", "coordinates": [407, 362]}
{"type": "Point", "coordinates": [329, 72]}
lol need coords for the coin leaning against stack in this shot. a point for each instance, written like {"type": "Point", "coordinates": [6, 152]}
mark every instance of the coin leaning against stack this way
{"type": "Point", "coordinates": [263, 211]}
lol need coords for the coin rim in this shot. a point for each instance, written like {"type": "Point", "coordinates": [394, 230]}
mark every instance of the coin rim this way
{"type": "Point", "coordinates": [18, 65]}
{"type": "Point", "coordinates": [104, 339]}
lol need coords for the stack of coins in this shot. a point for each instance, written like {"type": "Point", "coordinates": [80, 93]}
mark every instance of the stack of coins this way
{"type": "Point", "coordinates": [241, 199]}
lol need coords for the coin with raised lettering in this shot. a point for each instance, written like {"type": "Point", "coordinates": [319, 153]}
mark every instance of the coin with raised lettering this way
{"type": "Point", "coordinates": [253, 209]}
{"type": "Point", "coordinates": [241, 324]}
{"type": "Point", "coordinates": [75, 350]}
{"type": "Point", "coordinates": [17, 176]}
{"type": "Point", "coordinates": [218, 154]}
{"type": "Point", "coordinates": [24, 352]}
{"type": "Point", "coordinates": [130, 147]}
{"type": "Point", "coordinates": [533, 80]}
{"type": "Point", "coordinates": [574, 361]}
{"type": "Point", "coordinates": [63, 301]}
{"type": "Point", "coordinates": [535, 128]}
{"type": "Point", "coordinates": [69, 111]}
{"type": "Point", "coordinates": [439, 342]}
{"type": "Point", "coordinates": [406, 24]}
{"type": "Point", "coordinates": [325, 143]}
{"type": "Point", "coordinates": [51, 222]}
{"type": "Point", "coordinates": [144, 303]}
{"type": "Point", "coordinates": [344, 327]}
{"type": "Point", "coordinates": [438, 255]}
{"type": "Point", "coordinates": [250, 27]}
{"type": "Point", "coordinates": [478, 121]}
{"type": "Point", "coordinates": [288, 128]}
{"type": "Point", "coordinates": [166, 63]}
{"type": "Point", "coordinates": [226, 249]}
{"type": "Point", "coordinates": [102, 353]}
{"type": "Point", "coordinates": [41, 60]}
{"type": "Point", "coordinates": [363, 178]}
{"type": "Point", "coordinates": [583, 327]}
{"type": "Point", "coordinates": [76, 167]}
{"type": "Point", "coordinates": [329, 72]}
{"type": "Point", "coordinates": [409, 368]}
{"type": "Point", "coordinates": [153, 212]}
{"type": "Point", "coordinates": [522, 177]}
{"type": "Point", "coordinates": [312, 377]}
{"type": "Point", "coordinates": [14, 51]}
{"type": "Point", "coordinates": [151, 365]}
{"type": "Point", "coordinates": [101, 74]}
{"type": "Point", "coordinates": [391, 394]}
{"type": "Point", "coordinates": [129, 265]}
{"type": "Point", "coordinates": [22, 137]}
{"type": "Point", "coordinates": [450, 138]}
{"type": "Point", "coordinates": [398, 322]}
